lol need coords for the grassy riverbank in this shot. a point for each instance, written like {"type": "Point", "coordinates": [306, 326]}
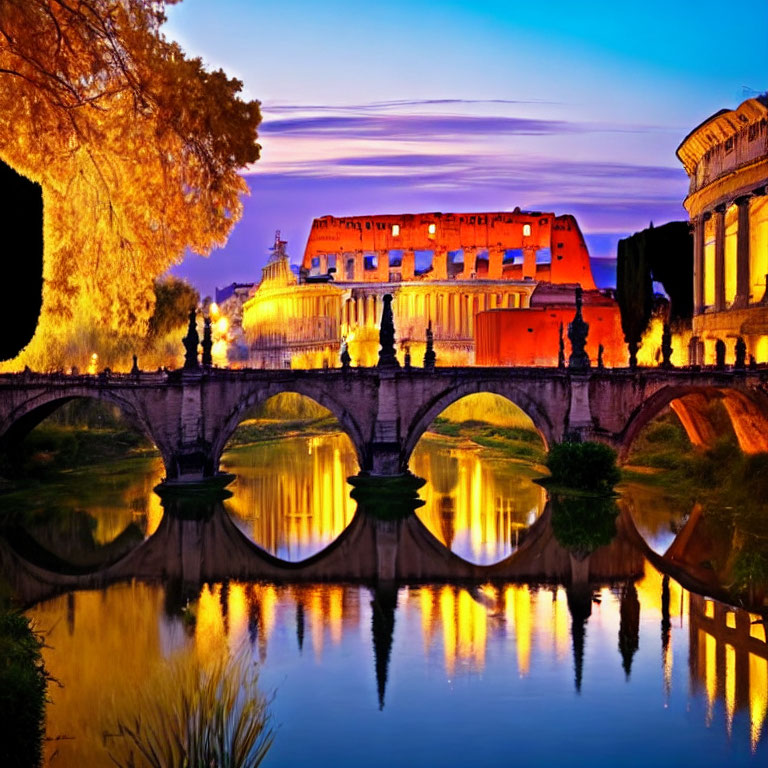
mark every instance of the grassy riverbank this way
{"type": "Point", "coordinates": [504, 442]}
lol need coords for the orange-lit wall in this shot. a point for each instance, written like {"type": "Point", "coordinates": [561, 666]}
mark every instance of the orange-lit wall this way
{"type": "Point", "coordinates": [531, 336]}
{"type": "Point", "coordinates": [447, 232]}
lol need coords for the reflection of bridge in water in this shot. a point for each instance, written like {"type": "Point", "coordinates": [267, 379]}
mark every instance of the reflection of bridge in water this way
{"type": "Point", "coordinates": [207, 558]}
{"type": "Point", "coordinates": [209, 547]}
{"type": "Point", "coordinates": [190, 415]}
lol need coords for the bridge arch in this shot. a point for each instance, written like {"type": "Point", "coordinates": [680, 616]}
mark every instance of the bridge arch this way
{"type": "Point", "coordinates": [26, 416]}
{"type": "Point", "coordinates": [259, 394]}
{"type": "Point", "coordinates": [437, 404]}
{"type": "Point", "coordinates": [747, 410]}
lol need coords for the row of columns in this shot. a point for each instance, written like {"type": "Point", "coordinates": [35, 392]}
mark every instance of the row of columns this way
{"type": "Point", "coordinates": [741, 299]}
{"type": "Point", "coordinates": [452, 313]}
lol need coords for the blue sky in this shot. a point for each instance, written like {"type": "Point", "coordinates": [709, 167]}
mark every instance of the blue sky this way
{"type": "Point", "coordinates": [419, 106]}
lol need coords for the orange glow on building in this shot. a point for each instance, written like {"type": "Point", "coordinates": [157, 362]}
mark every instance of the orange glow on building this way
{"type": "Point", "coordinates": [531, 336]}
{"type": "Point", "coordinates": [441, 269]}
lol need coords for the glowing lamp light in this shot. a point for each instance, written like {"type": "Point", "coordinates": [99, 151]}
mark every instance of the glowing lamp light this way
{"type": "Point", "coordinates": [432, 229]}
{"type": "Point", "coordinates": [395, 230]}
{"type": "Point", "coordinates": [215, 308]}
{"type": "Point", "coordinates": [526, 230]}
{"type": "Point", "coordinates": [93, 365]}
{"type": "Point", "coordinates": [222, 325]}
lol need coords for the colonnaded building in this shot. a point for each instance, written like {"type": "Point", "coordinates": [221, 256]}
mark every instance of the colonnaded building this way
{"type": "Point", "coordinates": [726, 158]}
{"type": "Point", "coordinates": [453, 270]}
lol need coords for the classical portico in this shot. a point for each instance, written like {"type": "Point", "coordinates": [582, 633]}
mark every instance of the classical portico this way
{"type": "Point", "coordinates": [726, 158]}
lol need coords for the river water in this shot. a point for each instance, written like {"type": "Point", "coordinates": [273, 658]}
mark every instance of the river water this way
{"type": "Point", "coordinates": [535, 657]}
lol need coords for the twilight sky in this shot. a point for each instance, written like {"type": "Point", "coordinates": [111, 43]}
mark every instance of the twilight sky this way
{"type": "Point", "coordinates": [405, 107]}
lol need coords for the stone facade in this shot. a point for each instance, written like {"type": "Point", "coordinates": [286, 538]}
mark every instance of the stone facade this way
{"type": "Point", "coordinates": [439, 268]}
{"type": "Point", "coordinates": [726, 158]}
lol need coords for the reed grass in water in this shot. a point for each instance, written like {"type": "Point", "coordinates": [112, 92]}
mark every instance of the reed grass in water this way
{"type": "Point", "coordinates": [191, 714]}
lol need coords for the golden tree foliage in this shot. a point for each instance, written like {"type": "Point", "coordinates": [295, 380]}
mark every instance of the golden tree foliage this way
{"type": "Point", "coordinates": [135, 145]}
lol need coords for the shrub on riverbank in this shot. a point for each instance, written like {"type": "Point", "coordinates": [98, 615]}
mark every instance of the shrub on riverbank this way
{"type": "Point", "coordinates": [583, 466]}
{"type": "Point", "coordinates": [23, 681]}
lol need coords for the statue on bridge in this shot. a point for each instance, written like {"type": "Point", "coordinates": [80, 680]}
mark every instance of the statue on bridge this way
{"type": "Point", "coordinates": [666, 347]}
{"type": "Point", "coordinates": [387, 356]}
{"type": "Point", "coordinates": [577, 335]}
{"type": "Point", "coordinates": [191, 342]}
{"type": "Point", "coordinates": [207, 343]}
{"type": "Point", "coordinates": [345, 356]}
{"type": "Point", "coordinates": [429, 354]}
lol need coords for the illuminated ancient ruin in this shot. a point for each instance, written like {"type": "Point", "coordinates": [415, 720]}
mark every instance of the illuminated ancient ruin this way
{"type": "Point", "coordinates": [440, 268]}
{"type": "Point", "coordinates": [726, 158]}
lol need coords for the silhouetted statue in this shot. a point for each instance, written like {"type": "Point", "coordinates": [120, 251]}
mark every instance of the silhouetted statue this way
{"type": "Point", "coordinates": [207, 343]}
{"type": "Point", "coordinates": [739, 362]}
{"type": "Point", "coordinates": [300, 625]}
{"type": "Point", "coordinates": [666, 347]}
{"type": "Point", "coordinates": [752, 363]}
{"type": "Point", "coordinates": [561, 349]}
{"type": "Point", "coordinates": [429, 354]}
{"type": "Point", "coordinates": [600, 352]}
{"type": "Point", "coordinates": [191, 342]}
{"type": "Point", "coordinates": [408, 358]}
{"type": "Point", "coordinates": [387, 357]}
{"type": "Point", "coordinates": [577, 335]}
{"type": "Point", "coordinates": [580, 605]}
{"type": "Point", "coordinates": [720, 354]}
{"type": "Point", "coordinates": [135, 367]}
{"type": "Point", "coordinates": [629, 626]}
{"type": "Point", "coordinates": [345, 358]}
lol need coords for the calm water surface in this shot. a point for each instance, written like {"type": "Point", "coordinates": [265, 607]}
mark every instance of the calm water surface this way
{"type": "Point", "coordinates": [627, 668]}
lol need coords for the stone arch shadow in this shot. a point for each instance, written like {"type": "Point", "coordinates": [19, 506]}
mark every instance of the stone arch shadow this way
{"type": "Point", "coordinates": [23, 419]}
{"type": "Point", "coordinates": [261, 393]}
{"type": "Point", "coordinates": [436, 405]}
{"type": "Point", "coordinates": [746, 409]}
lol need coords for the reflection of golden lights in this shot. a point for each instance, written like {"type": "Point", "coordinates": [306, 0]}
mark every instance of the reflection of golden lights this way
{"type": "Point", "coordinates": [294, 495]}
{"type": "Point", "coordinates": [209, 630]}
{"type": "Point", "coordinates": [560, 623]}
{"type": "Point", "coordinates": [517, 604]}
{"type": "Point", "coordinates": [447, 614]}
{"type": "Point", "coordinates": [237, 611]}
{"type": "Point", "coordinates": [730, 686]}
{"type": "Point", "coordinates": [758, 696]}
{"type": "Point", "coordinates": [710, 671]}
{"type": "Point", "coordinates": [475, 507]}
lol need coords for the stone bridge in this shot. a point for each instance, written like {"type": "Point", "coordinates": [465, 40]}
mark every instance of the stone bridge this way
{"type": "Point", "coordinates": [190, 415]}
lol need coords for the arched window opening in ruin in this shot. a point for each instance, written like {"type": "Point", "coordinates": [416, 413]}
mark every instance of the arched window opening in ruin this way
{"type": "Point", "coordinates": [455, 262]}
{"type": "Point", "coordinates": [423, 261]}
{"type": "Point", "coordinates": [292, 459]}
{"type": "Point", "coordinates": [79, 474]}
{"type": "Point", "coordinates": [479, 457]}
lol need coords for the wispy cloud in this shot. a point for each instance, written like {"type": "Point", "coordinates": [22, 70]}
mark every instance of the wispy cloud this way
{"type": "Point", "coordinates": [375, 106]}
{"type": "Point", "coordinates": [431, 127]}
